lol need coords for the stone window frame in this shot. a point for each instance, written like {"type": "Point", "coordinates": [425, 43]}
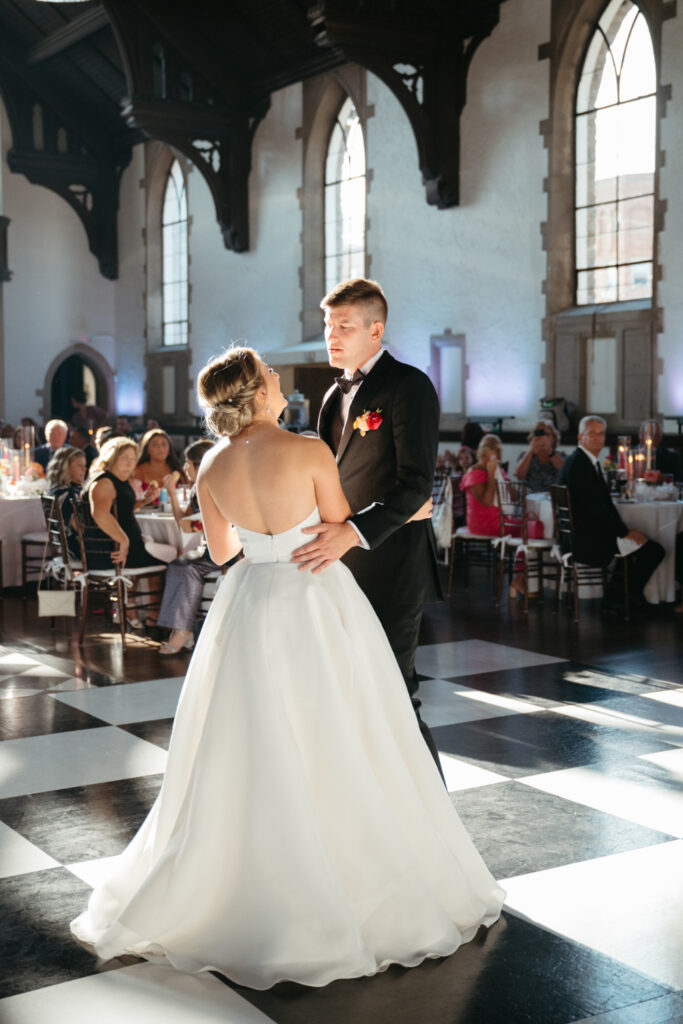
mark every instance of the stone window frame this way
{"type": "Point", "coordinates": [159, 157]}
{"type": "Point", "coordinates": [323, 98]}
{"type": "Point", "coordinates": [565, 323]}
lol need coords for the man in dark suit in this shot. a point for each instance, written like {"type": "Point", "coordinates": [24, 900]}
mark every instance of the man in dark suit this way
{"type": "Point", "coordinates": [80, 438]}
{"type": "Point", "coordinates": [381, 419]}
{"type": "Point", "coordinates": [599, 531]}
{"type": "Point", "coordinates": [55, 438]}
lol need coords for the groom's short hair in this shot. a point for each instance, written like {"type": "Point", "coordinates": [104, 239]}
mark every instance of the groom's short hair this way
{"type": "Point", "coordinates": [359, 291]}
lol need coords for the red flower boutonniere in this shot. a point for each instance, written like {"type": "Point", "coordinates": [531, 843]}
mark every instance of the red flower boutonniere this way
{"type": "Point", "coordinates": [368, 421]}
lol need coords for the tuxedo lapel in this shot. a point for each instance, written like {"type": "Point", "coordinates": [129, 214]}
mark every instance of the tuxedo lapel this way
{"type": "Point", "coordinates": [328, 410]}
{"type": "Point", "coordinates": [363, 399]}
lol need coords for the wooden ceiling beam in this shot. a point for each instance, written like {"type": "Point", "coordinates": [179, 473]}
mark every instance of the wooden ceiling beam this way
{"type": "Point", "coordinates": [73, 32]}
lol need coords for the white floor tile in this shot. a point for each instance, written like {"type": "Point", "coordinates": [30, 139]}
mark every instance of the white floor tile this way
{"type": "Point", "coordinates": [18, 856]}
{"type": "Point", "coordinates": [498, 701]}
{"type": "Point", "coordinates": [655, 807]}
{"type": "Point", "coordinates": [461, 775]}
{"type": "Point", "coordinates": [468, 657]}
{"type": "Point", "coordinates": [65, 759]}
{"type": "Point", "coordinates": [144, 993]}
{"type": "Point", "coordinates": [129, 702]}
{"type": "Point", "coordinates": [46, 671]}
{"type": "Point", "coordinates": [92, 872]}
{"type": "Point", "coordinates": [674, 697]}
{"type": "Point", "coordinates": [627, 906]}
{"type": "Point", "coordinates": [670, 760]}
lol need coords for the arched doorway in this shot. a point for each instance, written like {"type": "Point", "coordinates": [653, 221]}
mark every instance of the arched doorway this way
{"type": "Point", "coordinates": [77, 370]}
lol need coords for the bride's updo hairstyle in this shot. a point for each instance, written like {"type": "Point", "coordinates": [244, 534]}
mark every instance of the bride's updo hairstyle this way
{"type": "Point", "coordinates": [227, 388]}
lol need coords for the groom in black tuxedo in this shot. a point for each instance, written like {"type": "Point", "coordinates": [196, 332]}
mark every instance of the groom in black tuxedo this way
{"type": "Point", "coordinates": [381, 419]}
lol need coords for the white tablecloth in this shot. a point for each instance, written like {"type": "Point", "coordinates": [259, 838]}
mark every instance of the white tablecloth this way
{"type": "Point", "coordinates": [162, 527]}
{"type": "Point", "coordinates": [18, 516]}
{"type": "Point", "coordinates": [660, 521]}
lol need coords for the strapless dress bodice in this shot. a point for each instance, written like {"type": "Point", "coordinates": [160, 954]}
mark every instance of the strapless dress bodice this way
{"type": "Point", "coordinates": [276, 547]}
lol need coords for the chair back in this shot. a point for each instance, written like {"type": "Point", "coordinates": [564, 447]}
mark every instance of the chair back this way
{"type": "Point", "coordinates": [56, 531]}
{"type": "Point", "coordinates": [511, 500]}
{"type": "Point", "coordinates": [563, 522]}
{"type": "Point", "coordinates": [94, 544]}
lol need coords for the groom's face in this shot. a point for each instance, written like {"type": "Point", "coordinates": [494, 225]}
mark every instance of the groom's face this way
{"type": "Point", "coordinates": [351, 336]}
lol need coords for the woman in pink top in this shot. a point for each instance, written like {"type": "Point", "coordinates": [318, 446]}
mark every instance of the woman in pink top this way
{"type": "Point", "coordinates": [479, 485]}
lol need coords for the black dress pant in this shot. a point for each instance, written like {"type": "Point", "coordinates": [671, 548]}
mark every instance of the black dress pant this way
{"type": "Point", "coordinates": [641, 564]}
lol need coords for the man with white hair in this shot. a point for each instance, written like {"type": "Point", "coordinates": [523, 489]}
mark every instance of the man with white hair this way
{"type": "Point", "coordinates": [599, 530]}
{"type": "Point", "coordinates": [56, 432]}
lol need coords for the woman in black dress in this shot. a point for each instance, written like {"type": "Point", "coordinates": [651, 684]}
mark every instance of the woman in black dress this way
{"type": "Point", "coordinates": [109, 504]}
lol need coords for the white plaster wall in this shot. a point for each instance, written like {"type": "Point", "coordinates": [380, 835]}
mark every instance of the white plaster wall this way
{"type": "Point", "coordinates": [670, 294]}
{"type": "Point", "coordinates": [253, 295]}
{"type": "Point", "coordinates": [477, 268]}
{"type": "Point", "coordinates": [130, 291]}
{"type": "Point", "coordinates": [57, 295]}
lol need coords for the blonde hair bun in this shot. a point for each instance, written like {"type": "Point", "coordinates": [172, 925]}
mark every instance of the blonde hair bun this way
{"type": "Point", "coordinates": [227, 388]}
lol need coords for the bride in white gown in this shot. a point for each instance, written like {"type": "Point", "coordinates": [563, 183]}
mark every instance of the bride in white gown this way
{"type": "Point", "coordinates": [302, 831]}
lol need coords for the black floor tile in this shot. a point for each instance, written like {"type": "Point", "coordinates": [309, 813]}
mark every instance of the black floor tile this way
{"type": "Point", "coordinates": [36, 947]}
{"type": "Point", "coordinates": [528, 744]}
{"type": "Point", "coordinates": [40, 715]}
{"type": "Point", "coordinates": [654, 712]}
{"type": "Point", "coordinates": [564, 682]}
{"type": "Point", "coordinates": [157, 732]}
{"type": "Point", "coordinates": [518, 829]}
{"type": "Point", "coordinates": [86, 822]}
{"type": "Point", "coordinates": [660, 1010]}
{"type": "Point", "coordinates": [514, 974]}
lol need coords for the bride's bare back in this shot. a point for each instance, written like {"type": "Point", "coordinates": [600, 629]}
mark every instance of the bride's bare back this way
{"type": "Point", "coordinates": [266, 480]}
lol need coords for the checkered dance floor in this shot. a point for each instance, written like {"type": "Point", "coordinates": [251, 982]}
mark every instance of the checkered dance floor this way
{"type": "Point", "coordinates": [569, 778]}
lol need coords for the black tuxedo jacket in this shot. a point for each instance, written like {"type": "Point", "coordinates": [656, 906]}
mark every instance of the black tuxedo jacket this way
{"type": "Point", "coordinates": [386, 477]}
{"type": "Point", "coordinates": [668, 461]}
{"type": "Point", "coordinates": [597, 524]}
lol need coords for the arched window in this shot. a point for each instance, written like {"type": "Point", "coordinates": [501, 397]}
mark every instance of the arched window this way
{"type": "Point", "coordinates": [174, 258]}
{"type": "Point", "coordinates": [616, 115]}
{"type": "Point", "coordinates": [345, 199]}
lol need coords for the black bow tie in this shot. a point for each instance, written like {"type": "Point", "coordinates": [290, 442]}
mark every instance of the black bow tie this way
{"type": "Point", "coordinates": [346, 383]}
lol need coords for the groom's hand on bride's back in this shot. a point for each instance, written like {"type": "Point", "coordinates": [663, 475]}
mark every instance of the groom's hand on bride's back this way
{"type": "Point", "coordinates": [331, 542]}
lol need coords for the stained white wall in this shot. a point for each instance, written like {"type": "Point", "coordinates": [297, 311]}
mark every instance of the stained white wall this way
{"type": "Point", "coordinates": [57, 295]}
{"type": "Point", "coordinates": [254, 295]}
{"type": "Point", "coordinates": [670, 294]}
{"type": "Point", "coordinates": [477, 268]}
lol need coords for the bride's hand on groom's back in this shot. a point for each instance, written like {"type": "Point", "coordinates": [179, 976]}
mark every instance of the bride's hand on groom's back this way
{"type": "Point", "coordinates": [425, 512]}
{"type": "Point", "coordinates": [332, 541]}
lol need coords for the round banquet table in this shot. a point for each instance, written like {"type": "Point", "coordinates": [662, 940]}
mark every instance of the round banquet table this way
{"type": "Point", "coordinates": [162, 527]}
{"type": "Point", "coordinates": [18, 516]}
{"type": "Point", "coordinates": [660, 521]}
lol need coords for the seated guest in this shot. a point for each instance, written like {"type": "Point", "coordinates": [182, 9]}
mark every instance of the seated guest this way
{"type": "Point", "coordinates": [56, 432]}
{"type": "Point", "coordinates": [101, 435]}
{"type": "Point", "coordinates": [157, 459]}
{"type": "Point", "coordinates": [472, 434]}
{"type": "Point", "coordinates": [185, 576]}
{"type": "Point", "coordinates": [80, 438]}
{"type": "Point", "coordinates": [65, 475]}
{"type": "Point", "coordinates": [666, 460]}
{"type": "Point", "coordinates": [479, 485]}
{"type": "Point", "coordinates": [89, 417]}
{"type": "Point", "coordinates": [123, 428]}
{"type": "Point", "coordinates": [109, 502]}
{"type": "Point", "coordinates": [599, 531]}
{"type": "Point", "coordinates": [540, 464]}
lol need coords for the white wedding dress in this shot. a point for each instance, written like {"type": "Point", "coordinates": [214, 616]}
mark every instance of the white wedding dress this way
{"type": "Point", "coordinates": [302, 831]}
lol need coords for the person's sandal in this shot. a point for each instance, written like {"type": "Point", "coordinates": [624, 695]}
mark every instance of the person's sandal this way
{"type": "Point", "coordinates": [185, 645]}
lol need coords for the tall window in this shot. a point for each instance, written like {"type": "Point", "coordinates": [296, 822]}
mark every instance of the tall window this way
{"type": "Point", "coordinates": [345, 199]}
{"type": "Point", "coordinates": [174, 254]}
{"type": "Point", "coordinates": [615, 159]}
